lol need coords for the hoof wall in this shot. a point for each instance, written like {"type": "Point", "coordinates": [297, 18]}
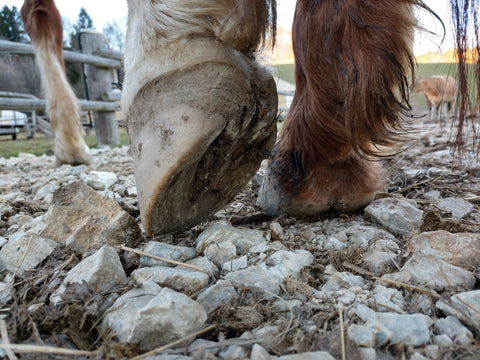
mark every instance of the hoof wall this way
{"type": "Point", "coordinates": [197, 137]}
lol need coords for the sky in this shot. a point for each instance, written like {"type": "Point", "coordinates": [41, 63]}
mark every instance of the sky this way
{"type": "Point", "coordinates": [102, 11]}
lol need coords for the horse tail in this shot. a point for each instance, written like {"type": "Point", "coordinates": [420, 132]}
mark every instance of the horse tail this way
{"type": "Point", "coordinates": [43, 24]}
{"type": "Point", "coordinates": [462, 13]}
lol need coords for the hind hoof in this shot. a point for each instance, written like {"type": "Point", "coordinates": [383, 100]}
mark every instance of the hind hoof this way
{"type": "Point", "coordinates": [77, 155]}
{"type": "Point", "coordinates": [343, 188]}
{"type": "Point", "coordinates": [197, 137]}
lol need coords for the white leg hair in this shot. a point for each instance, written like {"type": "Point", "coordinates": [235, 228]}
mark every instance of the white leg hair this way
{"type": "Point", "coordinates": [166, 35]}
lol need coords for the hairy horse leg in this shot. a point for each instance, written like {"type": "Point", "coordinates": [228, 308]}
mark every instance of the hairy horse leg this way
{"type": "Point", "coordinates": [352, 65]}
{"type": "Point", "coordinates": [43, 24]}
{"type": "Point", "coordinates": [200, 111]}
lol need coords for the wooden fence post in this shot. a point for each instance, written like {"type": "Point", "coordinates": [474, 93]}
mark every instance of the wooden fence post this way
{"type": "Point", "coordinates": [99, 87]}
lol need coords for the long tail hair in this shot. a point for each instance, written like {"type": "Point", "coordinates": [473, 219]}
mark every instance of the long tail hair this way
{"type": "Point", "coordinates": [353, 66]}
{"type": "Point", "coordinates": [43, 24]}
{"type": "Point", "coordinates": [464, 12]}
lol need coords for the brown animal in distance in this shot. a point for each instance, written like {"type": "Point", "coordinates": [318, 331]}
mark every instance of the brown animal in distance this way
{"type": "Point", "coordinates": [439, 91]}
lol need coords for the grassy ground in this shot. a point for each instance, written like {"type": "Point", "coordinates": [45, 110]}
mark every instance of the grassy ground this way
{"type": "Point", "coordinates": [41, 145]}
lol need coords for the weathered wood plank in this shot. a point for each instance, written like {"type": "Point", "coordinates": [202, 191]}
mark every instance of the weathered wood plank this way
{"type": "Point", "coordinates": [26, 49]}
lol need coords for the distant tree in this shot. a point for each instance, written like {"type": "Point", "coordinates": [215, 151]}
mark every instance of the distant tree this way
{"type": "Point", "coordinates": [115, 33]}
{"type": "Point", "coordinates": [74, 71]}
{"type": "Point", "coordinates": [84, 22]}
{"type": "Point", "coordinates": [11, 25]}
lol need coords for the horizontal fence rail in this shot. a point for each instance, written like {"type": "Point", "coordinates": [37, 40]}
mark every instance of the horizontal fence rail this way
{"type": "Point", "coordinates": [39, 104]}
{"type": "Point", "coordinates": [95, 60]}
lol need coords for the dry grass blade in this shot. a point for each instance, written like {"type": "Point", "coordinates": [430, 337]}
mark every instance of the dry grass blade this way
{"type": "Point", "coordinates": [36, 349]}
{"type": "Point", "coordinates": [24, 255]}
{"type": "Point", "coordinates": [172, 344]}
{"type": "Point", "coordinates": [6, 340]}
{"type": "Point", "coordinates": [342, 332]}
{"type": "Point", "coordinates": [408, 286]}
{"type": "Point", "coordinates": [139, 252]}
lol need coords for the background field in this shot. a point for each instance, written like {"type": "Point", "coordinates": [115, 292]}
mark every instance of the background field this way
{"type": "Point", "coordinates": [41, 145]}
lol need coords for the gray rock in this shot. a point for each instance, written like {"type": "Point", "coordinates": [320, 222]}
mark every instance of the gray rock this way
{"type": "Point", "coordinates": [315, 355]}
{"type": "Point", "coordinates": [166, 251]}
{"type": "Point", "coordinates": [379, 262]}
{"type": "Point", "coordinates": [45, 193]}
{"type": "Point", "coordinates": [219, 293]}
{"type": "Point", "coordinates": [332, 243]}
{"type": "Point", "coordinates": [99, 180]}
{"type": "Point", "coordinates": [221, 253]}
{"type": "Point", "coordinates": [373, 334]}
{"type": "Point", "coordinates": [397, 215]}
{"type": "Point", "coordinates": [202, 262]}
{"type": "Point", "coordinates": [174, 278]}
{"type": "Point", "coordinates": [276, 231]}
{"type": "Point", "coordinates": [202, 346]}
{"type": "Point", "coordinates": [432, 195]}
{"type": "Point", "coordinates": [406, 329]}
{"type": "Point", "coordinates": [364, 236]}
{"type": "Point", "coordinates": [388, 299]}
{"type": "Point", "coordinates": [243, 239]}
{"type": "Point", "coordinates": [101, 272]}
{"type": "Point", "coordinates": [234, 353]}
{"type": "Point", "coordinates": [443, 340]}
{"type": "Point", "coordinates": [435, 273]}
{"type": "Point", "coordinates": [259, 353]}
{"type": "Point", "coordinates": [6, 293]}
{"type": "Point", "coordinates": [367, 353]}
{"type": "Point", "coordinates": [24, 251]}
{"type": "Point", "coordinates": [343, 280]}
{"type": "Point", "coordinates": [265, 279]}
{"type": "Point", "coordinates": [454, 329]}
{"type": "Point", "coordinates": [457, 207]}
{"type": "Point", "coordinates": [19, 220]}
{"type": "Point", "coordinates": [235, 264]}
{"type": "Point", "coordinates": [153, 316]}
{"type": "Point", "coordinates": [465, 307]}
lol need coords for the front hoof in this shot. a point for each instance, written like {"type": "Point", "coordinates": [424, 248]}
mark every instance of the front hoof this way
{"type": "Point", "coordinates": [197, 137]}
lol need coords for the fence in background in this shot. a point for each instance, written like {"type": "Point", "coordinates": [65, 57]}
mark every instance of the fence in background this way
{"type": "Point", "coordinates": [100, 67]}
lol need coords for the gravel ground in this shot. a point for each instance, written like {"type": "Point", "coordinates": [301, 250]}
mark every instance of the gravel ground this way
{"type": "Point", "coordinates": [398, 280]}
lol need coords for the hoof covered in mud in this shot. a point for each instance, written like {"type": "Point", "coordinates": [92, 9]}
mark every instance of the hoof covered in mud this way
{"type": "Point", "coordinates": [344, 188]}
{"type": "Point", "coordinates": [197, 136]}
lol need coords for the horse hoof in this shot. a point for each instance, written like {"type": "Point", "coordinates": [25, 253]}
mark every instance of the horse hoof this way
{"type": "Point", "coordinates": [79, 155]}
{"type": "Point", "coordinates": [197, 135]}
{"type": "Point", "coordinates": [343, 188]}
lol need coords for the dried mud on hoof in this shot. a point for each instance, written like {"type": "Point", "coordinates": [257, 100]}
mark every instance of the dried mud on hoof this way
{"type": "Point", "coordinates": [196, 146]}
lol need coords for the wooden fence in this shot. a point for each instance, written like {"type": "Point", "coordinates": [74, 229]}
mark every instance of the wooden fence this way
{"type": "Point", "coordinates": [100, 75]}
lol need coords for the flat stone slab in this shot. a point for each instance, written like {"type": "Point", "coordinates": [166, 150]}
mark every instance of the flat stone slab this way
{"type": "Point", "coordinates": [397, 215]}
{"type": "Point", "coordinates": [460, 249]}
{"type": "Point", "coordinates": [152, 316]}
{"type": "Point", "coordinates": [24, 251]}
{"type": "Point", "coordinates": [85, 220]}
